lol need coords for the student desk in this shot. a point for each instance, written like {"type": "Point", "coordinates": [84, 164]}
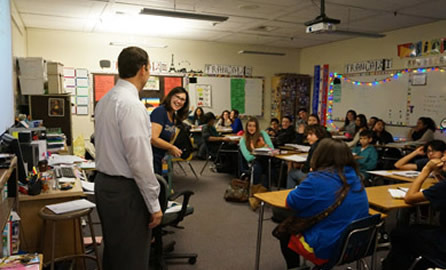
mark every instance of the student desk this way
{"type": "Point", "coordinates": [278, 199]}
{"type": "Point", "coordinates": [32, 225]}
{"type": "Point", "coordinates": [389, 175]}
{"type": "Point", "coordinates": [379, 197]}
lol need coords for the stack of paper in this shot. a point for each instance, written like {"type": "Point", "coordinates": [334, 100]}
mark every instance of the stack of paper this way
{"type": "Point", "coordinates": [296, 158]}
{"type": "Point", "coordinates": [410, 174]}
{"type": "Point", "coordinates": [65, 207]}
{"type": "Point", "coordinates": [397, 193]}
{"type": "Point", "coordinates": [56, 159]}
{"type": "Point", "coordinates": [299, 147]}
{"type": "Point", "coordinates": [55, 141]}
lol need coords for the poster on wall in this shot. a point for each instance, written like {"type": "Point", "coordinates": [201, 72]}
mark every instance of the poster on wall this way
{"type": "Point", "coordinates": [153, 83]}
{"type": "Point", "coordinates": [204, 95]}
{"type": "Point", "coordinates": [56, 107]}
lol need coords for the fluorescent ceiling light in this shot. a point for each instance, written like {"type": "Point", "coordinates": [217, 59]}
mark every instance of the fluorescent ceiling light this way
{"type": "Point", "coordinates": [262, 53]}
{"type": "Point", "coordinates": [145, 45]}
{"type": "Point", "coordinates": [182, 15]}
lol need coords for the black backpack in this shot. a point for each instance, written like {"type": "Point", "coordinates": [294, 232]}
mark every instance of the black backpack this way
{"type": "Point", "coordinates": [182, 141]}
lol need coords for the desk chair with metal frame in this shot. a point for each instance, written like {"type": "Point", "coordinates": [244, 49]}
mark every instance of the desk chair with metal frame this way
{"type": "Point", "coordinates": [438, 262]}
{"type": "Point", "coordinates": [359, 240]}
{"type": "Point", "coordinates": [161, 253]}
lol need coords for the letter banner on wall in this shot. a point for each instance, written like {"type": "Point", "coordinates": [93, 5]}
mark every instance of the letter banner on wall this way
{"type": "Point", "coordinates": [325, 73]}
{"type": "Point", "coordinates": [316, 87]}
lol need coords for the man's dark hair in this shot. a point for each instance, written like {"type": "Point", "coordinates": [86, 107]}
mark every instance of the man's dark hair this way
{"type": "Point", "coordinates": [366, 133]}
{"type": "Point", "coordinates": [436, 145]}
{"type": "Point", "coordinates": [302, 110]}
{"type": "Point", "coordinates": [317, 130]}
{"type": "Point", "coordinates": [208, 117]}
{"type": "Point", "coordinates": [288, 117]}
{"type": "Point", "coordinates": [274, 120]}
{"type": "Point", "coordinates": [130, 61]}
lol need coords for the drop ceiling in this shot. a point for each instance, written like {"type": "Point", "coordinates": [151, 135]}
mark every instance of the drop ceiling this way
{"type": "Point", "coordinates": [276, 23]}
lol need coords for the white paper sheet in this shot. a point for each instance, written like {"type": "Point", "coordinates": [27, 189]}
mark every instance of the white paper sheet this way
{"type": "Point", "coordinates": [55, 159]}
{"type": "Point", "coordinates": [380, 173]}
{"type": "Point", "coordinates": [65, 207]}
{"type": "Point", "coordinates": [296, 158]}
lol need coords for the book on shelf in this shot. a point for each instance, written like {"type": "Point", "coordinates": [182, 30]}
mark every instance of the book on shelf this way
{"type": "Point", "coordinates": [10, 235]}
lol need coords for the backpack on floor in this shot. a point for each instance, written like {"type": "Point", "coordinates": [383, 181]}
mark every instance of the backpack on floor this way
{"type": "Point", "coordinates": [238, 190]}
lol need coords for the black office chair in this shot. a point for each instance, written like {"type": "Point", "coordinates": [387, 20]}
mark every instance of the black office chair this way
{"type": "Point", "coordinates": [162, 253]}
{"type": "Point", "coordinates": [357, 241]}
{"type": "Point", "coordinates": [438, 262]}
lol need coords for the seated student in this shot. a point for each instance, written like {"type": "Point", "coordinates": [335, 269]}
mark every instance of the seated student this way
{"type": "Point", "coordinates": [380, 134]}
{"type": "Point", "coordinates": [366, 154]}
{"type": "Point", "coordinates": [198, 118]}
{"type": "Point", "coordinates": [211, 137]}
{"type": "Point", "coordinates": [301, 124]}
{"type": "Point", "coordinates": [407, 243]}
{"type": "Point", "coordinates": [333, 167]}
{"type": "Point", "coordinates": [286, 134]}
{"type": "Point", "coordinates": [313, 119]}
{"type": "Point", "coordinates": [424, 131]}
{"type": "Point", "coordinates": [433, 150]}
{"type": "Point", "coordinates": [255, 138]}
{"type": "Point", "coordinates": [224, 120]}
{"type": "Point", "coordinates": [236, 122]}
{"type": "Point", "coordinates": [315, 133]}
{"type": "Point", "coordinates": [372, 121]}
{"type": "Point", "coordinates": [349, 123]}
{"type": "Point", "coordinates": [273, 127]}
{"type": "Point", "coordinates": [361, 125]}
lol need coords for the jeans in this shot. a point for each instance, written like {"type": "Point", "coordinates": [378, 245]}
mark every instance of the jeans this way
{"type": "Point", "coordinates": [295, 177]}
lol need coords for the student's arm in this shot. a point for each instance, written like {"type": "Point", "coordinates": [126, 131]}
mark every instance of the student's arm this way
{"type": "Point", "coordinates": [245, 152]}
{"type": "Point", "coordinates": [267, 139]}
{"type": "Point", "coordinates": [160, 143]}
{"type": "Point", "coordinates": [370, 159]}
{"type": "Point", "coordinates": [403, 163]}
{"type": "Point", "coordinates": [414, 194]}
{"type": "Point", "coordinates": [355, 140]}
{"type": "Point", "coordinates": [207, 135]}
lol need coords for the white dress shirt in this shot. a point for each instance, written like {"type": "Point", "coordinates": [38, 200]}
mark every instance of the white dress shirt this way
{"type": "Point", "coordinates": [122, 140]}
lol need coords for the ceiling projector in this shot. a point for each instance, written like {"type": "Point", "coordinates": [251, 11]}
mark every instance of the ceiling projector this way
{"type": "Point", "coordinates": [321, 27]}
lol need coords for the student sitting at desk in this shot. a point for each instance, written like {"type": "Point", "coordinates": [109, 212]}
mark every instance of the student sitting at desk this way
{"type": "Point", "coordinates": [424, 240]}
{"type": "Point", "coordinates": [255, 138]}
{"type": "Point", "coordinates": [273, 129]}
{"type": "Point", "coordinates": [424, 131]}
{"type": "Point", "coordinates": [211, 137]}
{"type": "Point", "coordinates": [198, 118]}
{"type": "Point", "coordinates": [333, 169]}
{"type": "Point", "coordinates": [236, 122]}
{"type": "Point", "coordinates": [315, 133]}
{"type": "Point", "coordinates": [433, 150]}
{"type": "Point", "coordinates": [366, 154]}
{"type": "Point", "coordinates": [380, 134]}
{"type": "Point", "coordinates": [224, 121]}
{"type": "Point", "coordinates": [361, 125]}
{"type": "Point", "coordinates": [286, 134]}
{"type": "Point", "coordinates": [372, 121]}
{"type": "Point", "coordinates": [349, 123]}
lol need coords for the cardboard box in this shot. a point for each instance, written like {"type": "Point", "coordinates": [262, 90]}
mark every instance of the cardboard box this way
{"type": "Point", "coordinates": [32, 67]}
{"type": "Point", "coordinates": [54, 68]}
{"type": "Point", "coordinates": [32, 86]}
{"type": "Point", "coordinates": [55, 84]}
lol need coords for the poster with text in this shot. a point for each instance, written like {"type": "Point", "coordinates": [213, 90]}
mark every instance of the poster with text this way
{"type": "Point", "coordinates": [204, 95]}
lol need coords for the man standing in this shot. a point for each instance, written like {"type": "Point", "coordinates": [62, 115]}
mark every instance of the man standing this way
{"type": "Point", "coordinates": [126, 187]}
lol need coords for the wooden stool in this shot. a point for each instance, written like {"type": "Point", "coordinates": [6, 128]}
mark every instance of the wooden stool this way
{"type": "Point", "coordinates": [48, 216]}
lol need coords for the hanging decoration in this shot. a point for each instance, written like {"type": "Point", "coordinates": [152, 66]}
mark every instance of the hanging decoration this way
{"type": "Point", "coordinates": [392, 77]}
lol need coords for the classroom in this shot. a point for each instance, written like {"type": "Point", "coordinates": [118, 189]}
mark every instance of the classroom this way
{"type": "Point", "coordinates": [289, 60]}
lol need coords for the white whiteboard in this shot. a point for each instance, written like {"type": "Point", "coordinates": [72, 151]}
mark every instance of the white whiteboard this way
{"type": "Point", "coordinates": [393, 101]}
{"type": "Point", "coordinates": [221, 94]}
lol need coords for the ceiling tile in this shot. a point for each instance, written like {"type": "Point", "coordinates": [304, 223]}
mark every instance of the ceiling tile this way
{"type": "Point", "coordinates": [432, 9]}
{"type": "Point", "coordinates": [296, 43]}
{"type": "Point", "coordinates": [387, 22]}
{"type": "Point", "coordinates": [61, 8]}
{"type": "Point", "coordinates": [245, 39]}
{"type": "Point", "coordinates": [51, 22]}
{"type": "Point", "coordinates": [388, 5]}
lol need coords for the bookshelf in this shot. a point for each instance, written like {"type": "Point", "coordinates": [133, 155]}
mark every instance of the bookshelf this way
{"type": "Point", "coordinates": [8, 176]}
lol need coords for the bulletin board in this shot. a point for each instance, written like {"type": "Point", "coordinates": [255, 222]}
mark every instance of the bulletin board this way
{"type": "Point", "coordinates": [399, 102]}
{"type": "Point", "coordinates": [216, 94]}
{"type": "Point", "coordinates": [155, 89]}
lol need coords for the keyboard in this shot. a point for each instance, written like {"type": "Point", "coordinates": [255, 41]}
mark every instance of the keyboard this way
{"type": "Point", "coordinates": [66, 172]}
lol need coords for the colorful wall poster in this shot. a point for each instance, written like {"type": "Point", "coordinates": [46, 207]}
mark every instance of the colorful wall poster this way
{"type": "Point", "coordinates": [204, 95]}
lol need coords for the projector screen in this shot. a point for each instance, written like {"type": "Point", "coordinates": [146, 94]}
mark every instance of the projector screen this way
{"type": "Point", "coordinates": [6, 88]}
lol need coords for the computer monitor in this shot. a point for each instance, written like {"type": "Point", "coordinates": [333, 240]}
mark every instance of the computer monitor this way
{"type": "Point", "coordinates": [11, 145]}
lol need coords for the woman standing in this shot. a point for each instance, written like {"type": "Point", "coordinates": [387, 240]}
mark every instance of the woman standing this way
{"type": "Point", "coordinates": [333, 169]}
{"type": "Point", "coordinates": [173, 109]}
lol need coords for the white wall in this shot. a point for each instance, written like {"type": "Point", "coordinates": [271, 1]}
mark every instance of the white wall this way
{"type": "Point", "coordinates": [84, 50]}
{"type": "Point", "coordinates": [338, 54]}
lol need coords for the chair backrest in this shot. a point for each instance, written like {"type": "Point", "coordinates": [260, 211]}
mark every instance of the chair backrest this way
{"type": "Point", "coordinates": [164, 192]}
{"type": "Point", "coordinates": [182, 140]}
{"type": "Point", "coordinates": [357, 241]}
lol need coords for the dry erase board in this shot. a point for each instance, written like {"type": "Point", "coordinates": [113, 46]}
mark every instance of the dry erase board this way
{"type": "Point", "coordinates": [216, 94]}
{"type": "Point", "coordinates": [399, 102]}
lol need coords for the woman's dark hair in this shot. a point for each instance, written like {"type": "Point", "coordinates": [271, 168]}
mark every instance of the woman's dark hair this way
{"type": "Point", "coordinates": [200, 117]}
{"type": "Point", "coordinates": [362, 122]}
{"type": "Point", "coordinates": [222, 117]}
{"type": "Point", "coordinates": [274, 120]}
{"type": "Point", "coordinates": [436, 145]}
{"type": "Point", "coordinates": [236, 113]}
{"type": "Point", "coordinates": [317, 130]}
{"type": "Point", "coordinates": [335, 155]}
{"type": "Point", "coordinates": [315, 116]}
{"type": "Point", "coordinates": [346, 121]}
{"type": "Point", "coordinates": [208, 117]}
{"type": "Point", "coordinates": [130, 61]}
{"type": "Point", "coordinates": [182, 113]}
{"type": "Point", "coordinates": [428, 123]}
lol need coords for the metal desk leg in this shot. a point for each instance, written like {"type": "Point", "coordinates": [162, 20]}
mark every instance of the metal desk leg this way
{"type": "Point", "coordinates": [259, 235]}
{"type": "Point", "coordinates": [280, 175]}
{"type": "Point", "coordinates": [269, 172]}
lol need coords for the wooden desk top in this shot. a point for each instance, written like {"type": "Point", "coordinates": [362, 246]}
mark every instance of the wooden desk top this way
{"type": "Point", "coordinates": [278, 199]}
{"type": "Point", "coordinates": [76, 191]}
{"type": "Point", "coordinates": [380, 197]}
{"type": "Point", "coordinates": [398, 177]}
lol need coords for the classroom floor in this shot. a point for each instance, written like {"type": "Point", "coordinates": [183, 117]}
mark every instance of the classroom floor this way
{"type": "Point", "coordinates": [223, 234]}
